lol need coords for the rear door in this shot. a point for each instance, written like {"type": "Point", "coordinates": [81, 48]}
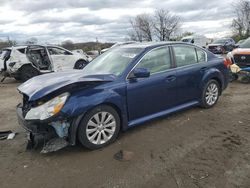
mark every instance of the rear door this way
{"type": "Point", "coordinates": [147, 96]}
{"type": "Point", "coordinates": [38, 57]}
{"type": "Point", "coordinates": [190, 68]}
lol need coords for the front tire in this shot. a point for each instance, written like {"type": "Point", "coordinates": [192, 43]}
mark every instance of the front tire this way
{"type": "Point", "coordinates": [210, 94]}
{"type": "Point", "coordinates": [28, 72]}
{"type": "Point", "coordinates": [99, 127]}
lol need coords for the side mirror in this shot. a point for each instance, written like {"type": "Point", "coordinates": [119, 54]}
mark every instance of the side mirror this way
{"type": "Point", "coordinates": [139, 73]}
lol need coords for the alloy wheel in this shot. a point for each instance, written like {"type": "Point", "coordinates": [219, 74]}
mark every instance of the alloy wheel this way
{"type": "Point", "coordinates": [101, 127]}
{"type": "Point", "coordinates": [212, 94]}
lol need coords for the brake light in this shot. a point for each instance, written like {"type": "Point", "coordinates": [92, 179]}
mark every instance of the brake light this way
{"type": "Point", "coordinates": [227, 62]}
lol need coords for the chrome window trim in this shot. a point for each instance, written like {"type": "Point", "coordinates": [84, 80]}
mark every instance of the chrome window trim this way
{"type": "Point", "coordinates": [174, 68]}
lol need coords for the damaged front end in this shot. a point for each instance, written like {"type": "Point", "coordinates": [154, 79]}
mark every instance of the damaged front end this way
{"type": "Point", "coordinates": [46, 126]}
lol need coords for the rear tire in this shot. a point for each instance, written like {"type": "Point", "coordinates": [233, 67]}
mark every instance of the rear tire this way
{"type": "Point", "coordinates": [80, 64]}
{"type": "Point", "coordinates": [99, 127]}
{"type": "Point", "coordinates": [28, 72]}
{"type": "Point", "coordinates": [210, 94]}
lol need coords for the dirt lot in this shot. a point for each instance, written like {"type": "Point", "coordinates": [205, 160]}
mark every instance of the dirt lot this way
{"type": "Point", "coordinates": [195, 148]}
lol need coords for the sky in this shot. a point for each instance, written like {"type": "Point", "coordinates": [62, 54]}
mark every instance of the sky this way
{"type": "Point", "coordinates": [54, 21]}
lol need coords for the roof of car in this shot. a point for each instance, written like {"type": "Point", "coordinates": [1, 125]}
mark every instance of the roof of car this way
{"type": "Point", "coordinates": [25, 46]}
{"type": "Point", "coordinates": [152, 44]}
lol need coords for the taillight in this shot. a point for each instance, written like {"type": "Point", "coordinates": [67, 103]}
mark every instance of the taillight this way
{"type": "Point", "coordinates": [227, 62]}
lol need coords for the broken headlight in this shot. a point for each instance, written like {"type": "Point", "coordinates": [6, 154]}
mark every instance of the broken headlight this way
{"type": "Point", "coordinates": [48, 109]}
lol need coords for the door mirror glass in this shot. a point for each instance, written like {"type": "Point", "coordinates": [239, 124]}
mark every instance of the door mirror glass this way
{"type": "Point", "coordinates": [140, 73]}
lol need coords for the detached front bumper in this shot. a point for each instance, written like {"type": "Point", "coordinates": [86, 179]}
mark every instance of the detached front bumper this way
{"type": "Point", "coordinates": [40, 134]}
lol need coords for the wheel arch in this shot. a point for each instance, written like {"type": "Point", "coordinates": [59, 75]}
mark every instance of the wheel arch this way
{"type": "Point", "coordinates": [213, 74]}
{"type": "Point", "coordinates": [77, 120]}
{"type": "Point", "coordinates": [219, 82]}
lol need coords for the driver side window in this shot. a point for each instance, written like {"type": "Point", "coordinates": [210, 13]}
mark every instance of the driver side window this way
{"type": "Point", "coordinates": [156, 61]}
{"type": "Point", "coordinates": [57, 51]}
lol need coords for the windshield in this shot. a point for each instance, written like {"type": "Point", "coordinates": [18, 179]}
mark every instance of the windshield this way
{"type": "Point", "coordinates": [220, 41]}
{"type": "Point", "coordinates": [113, 61]}
{"type": "Point", "coordinates": [245, 44]}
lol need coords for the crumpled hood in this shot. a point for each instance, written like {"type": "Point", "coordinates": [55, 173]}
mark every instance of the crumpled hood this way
{"type": "Point", "coordinates": [41, 86]}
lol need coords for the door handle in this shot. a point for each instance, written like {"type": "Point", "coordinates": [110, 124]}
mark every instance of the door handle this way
{"type": "Point", "coordinates": [170, 78]}
{"type": "Point", "coordinates": [203, 69]}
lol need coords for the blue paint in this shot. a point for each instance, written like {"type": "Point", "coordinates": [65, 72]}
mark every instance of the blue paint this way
{"type": "Point", "coordinates": [136, 100]}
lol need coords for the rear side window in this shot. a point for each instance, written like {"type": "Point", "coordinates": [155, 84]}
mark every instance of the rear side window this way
{"type": "Point", "coordinates": [21, 50]}
{"type": "Point", "coordinates": [58, 51]}
{"type": "Point", "coordinates": [156, 61]}
{"type": "Point", "coordinates": [201, 55]}
{"type": "Point", "coordinates": [185, 55]}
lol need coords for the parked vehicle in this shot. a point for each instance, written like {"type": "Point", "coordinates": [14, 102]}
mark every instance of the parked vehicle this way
{"type": "Point", "coordinates": [121, 88]}
{"type": "Point", "coordinates": [198, 40]}
{"type": "Point", "coordinates": [25, 62]}
{"type": "Point", "coordinates": [222, 46]}
{"type": "Point", "coordinates": [239, 43]}
{"type": "Point", "coordinates": [80, 51]}
{"type": "Point", "coordinates": [241, 56]}
{"type": "Point", "coordinates": [93, 53]}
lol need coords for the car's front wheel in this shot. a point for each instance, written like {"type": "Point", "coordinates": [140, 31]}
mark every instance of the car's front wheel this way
{"type": "Point", "coordinates": [99, 127]}
{"type": "Point", "coordinates": [210, 94]}
{"type": "Point", "coordinates": [27, 72]}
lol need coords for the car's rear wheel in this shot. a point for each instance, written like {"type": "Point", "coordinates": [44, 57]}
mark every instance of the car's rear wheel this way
{"type": "Point", "coordinates": [99, 127]}
{"type": "Point", "coordinates": [80, 64]}
{"type": "Point", "coordinates": [28, 72]}
{"type": "Point", "coordinates": [210, 94]}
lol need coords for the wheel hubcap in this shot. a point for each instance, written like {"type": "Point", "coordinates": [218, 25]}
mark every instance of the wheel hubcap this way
{"type": "Point", "coordinates": [212, 94]}
{"type": "Point", "coordinates": [100, 128]}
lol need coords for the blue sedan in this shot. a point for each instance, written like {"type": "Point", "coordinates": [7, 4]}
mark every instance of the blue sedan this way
{"type": "Point", "coordinates": [124, 87]}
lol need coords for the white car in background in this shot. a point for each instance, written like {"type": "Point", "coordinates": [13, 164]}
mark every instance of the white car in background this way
{"type": "Point", "coordinates": [25, 62]}
{"type": "Point", "coordinates": [80, 51]}
{"type": "Point", "coordinates": [117, 44]}
{"type": "Point", "coordinates": [198, 40]}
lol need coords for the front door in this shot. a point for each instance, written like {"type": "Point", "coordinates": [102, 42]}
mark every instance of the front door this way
{"type": "Point", "coordinates": [147, 96]}
{"type": "Point", "coordinates": [62, 59]}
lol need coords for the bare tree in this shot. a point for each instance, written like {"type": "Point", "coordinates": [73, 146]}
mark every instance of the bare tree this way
{"type": "Point", "coordinates": [241, 24]}
{"type": "Point", "coordinates": [165, 24]}
{"type": "Point", "coordinates": [141, 28]}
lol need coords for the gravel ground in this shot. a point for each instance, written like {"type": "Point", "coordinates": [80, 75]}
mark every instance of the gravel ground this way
{"type": "Point", "coordinates": [194, 148]}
